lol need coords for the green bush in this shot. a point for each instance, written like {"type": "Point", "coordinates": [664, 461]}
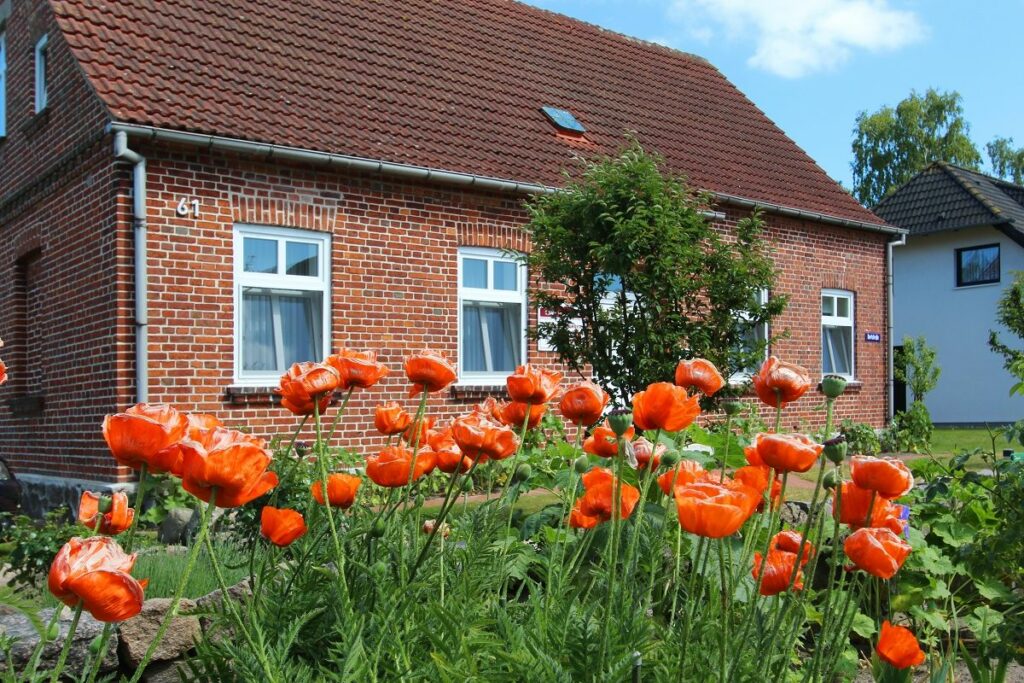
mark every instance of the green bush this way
{"type": "Point", "coordinates": [862, 438]}
{"type": "Point", "coordinates": [28, 545]}
{"type": "Point", "coordinates": [909, 432]}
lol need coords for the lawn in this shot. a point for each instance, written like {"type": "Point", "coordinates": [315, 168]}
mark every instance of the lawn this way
{"type": "Point", "coordinates": [950, 440]}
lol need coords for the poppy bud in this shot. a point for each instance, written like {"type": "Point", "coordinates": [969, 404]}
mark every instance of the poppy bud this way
{"type": "Point", "coordinates": [732, 407]}
{"type": "Point", "coordinates": [522, 473]}
{"type": "Point", "coordinates": [420, 500]}
{"type": "Point", "coordinates": [94, 646]}
{"type": "Point", "coordinates": [467, 484]}
{"type": "Point", "coordinates": [835, 449]}
{"type": "Point", "coordinates": [379, 569]}
{"type": "Point", "coordinates": [833, 386]}
{"type": "Point", "coordinates": [831, 480]}
{"type": "Point", "coordinates": [620, 420]}
{"type": "Point", "coordinates": [104, 504]}
{"type": "Point", "coordinates": [582, 464]}
{"type": "Point", "coordinates": [669, 459]}
{"type": "Point", "coordinates": [53, 633]}
{"type": "Point", "coordinates": [378, 529]}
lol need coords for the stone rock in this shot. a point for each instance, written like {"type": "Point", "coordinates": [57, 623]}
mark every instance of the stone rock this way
{"type": "Point", "coordinates": [178, 526]}
{"type": "Point", "coordinates": [16, 626]}
{"type": "Point", "coordinates": [240, 591]}
{"type": "Point", "coordinates": [794, 513]}
{"type": "Point", "coordinates": [137, 633]}
{"type": "Point", "coordinates": [166, 672]}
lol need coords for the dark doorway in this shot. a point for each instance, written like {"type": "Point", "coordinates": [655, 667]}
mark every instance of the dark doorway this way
{"type": "Point", "coordinates": [899, 389]}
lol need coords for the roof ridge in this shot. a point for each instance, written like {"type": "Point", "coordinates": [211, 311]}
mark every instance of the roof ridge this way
{"type": "Point", "coordinates": [976, 192]}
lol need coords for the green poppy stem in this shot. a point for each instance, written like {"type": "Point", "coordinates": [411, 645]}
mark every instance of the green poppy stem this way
{"type": "Point", "coordinates": [321, 458]}
{"type": "Point", "coordinates": [62, 660]}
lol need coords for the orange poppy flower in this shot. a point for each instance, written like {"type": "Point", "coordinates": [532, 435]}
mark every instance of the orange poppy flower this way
{"type": "Point", "coordinates": [390, 418]}
{"type": "Point", "coordinates": [449, 455]}
{"type": "Point", "coordinates": [701, 374]}
{"type": "Point", "coordinates": [602, 441]}
{"type": "Point", "coordinates": [428, 370]}
{"type": "Point", "coordinates": [390, 468]}
{"type": "Point", "coordinates": [584, 403]}
{"type": "Point", "coordinates": [230, 461]}
{"type": "Point", "coordinates": [664, 406]}
{"type": "Point", "coordinates": [3, 372]}
{"type": "Point", "coordinates": [480, 437]}
{"type": "Point", "coordinates": [532, 384]}
{"type": "Point", "coordinates": [757, 479]}
{"type": "Point", "coordinates": [713, 510]}
{"type": "Point", "coordinates": [790, 542]}
{"type": "Point", "coordinates": [778, 383]}
{"type": "Point", "coordinates": [596, 503]}
{"type": "Point", "coordinates": [307, 385]}
{"type": "Point", "coordinates": [852, 509]}
{"type": "Point", "coordinates": [96, 571]}
{"type": "Point", "coordinates": [341, 490]}
{"type": "Point", "coordinates": [147, 434]}
{"type": "Point", "coordinates": [786, 452]}
{"type": "Point", "coordinates": [357, 368]}
{"type": "Point", "coordinates": [281, 526]}
{"type": "Point", "coordinates": [513, 414]}
{"type": "Point", "coordinates": [117, 519]}
{"type": "Point", "coordinates": [879, 552]}
{"type": "Point", "coordinates": [647, 453]}
{"type": "Point", "coordinates": [689, 471]}
{"type": "Point", "coordinates": [889, 477]}
{"type": "Point", "coordinates": [778, 570]}
{"type": "Point", "coordinates": [201, 422]}
{"type": "Point", "coordinates": [898, 646]}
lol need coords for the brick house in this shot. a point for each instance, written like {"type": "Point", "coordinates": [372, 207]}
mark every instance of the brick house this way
{"type": "Point", "coordinates": [193, 194]}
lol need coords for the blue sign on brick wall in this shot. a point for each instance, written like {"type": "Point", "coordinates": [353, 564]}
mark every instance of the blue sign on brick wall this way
{"type": "Point", "coordinates": [872, 336]}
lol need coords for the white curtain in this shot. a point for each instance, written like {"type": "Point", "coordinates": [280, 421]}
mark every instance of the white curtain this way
{"type": "Point", "coordinates": [299, 338]}
{"type": "Point", "coordinates": [501, 325]}
{"type": "Point", "coordinates": [258, 350]}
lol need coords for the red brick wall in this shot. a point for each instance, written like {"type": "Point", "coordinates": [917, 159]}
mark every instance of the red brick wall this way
{"type": "Point", "coordinates": [57, 283]}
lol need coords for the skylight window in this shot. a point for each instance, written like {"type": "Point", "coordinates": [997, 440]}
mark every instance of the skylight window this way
{"type": "Point", "coordinates": [564, 120]}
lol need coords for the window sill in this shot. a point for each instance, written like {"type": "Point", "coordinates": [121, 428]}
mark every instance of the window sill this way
{"type": "Point", "coordinates": [244, 395]}
{"type": "Point", "coordinates": [477, 392]}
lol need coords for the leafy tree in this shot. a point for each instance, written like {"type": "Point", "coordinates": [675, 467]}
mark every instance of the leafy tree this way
{"type": "Point", "coordinates": [915, 366]}
{"type": "Point", "coordinates": [1006, 161]}
{"type": "Point", "coordinates": [1010, 314]}
{"type": "Point", "coordinates": [892, 144]}
{"type": "Point", "coordinates": [641, 278]}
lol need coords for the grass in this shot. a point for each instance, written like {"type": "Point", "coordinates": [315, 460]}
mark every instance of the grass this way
{"type": "Point", "coordinates": [950, 441]}
{"type": "Point", "coordinates": [163, 569]}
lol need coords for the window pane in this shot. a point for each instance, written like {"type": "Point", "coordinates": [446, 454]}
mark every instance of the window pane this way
{"type": "Point", "coordinates": [828, 305]}
{"type": "Point", "coordinates": [979, 266]}
{"type": "Point", "coordinates": [258, 350]}
{"type": "Point", "coordinates": [302, 259]}
{"type": "Point", "coordinates": [474, 273]}
{"type": "Point", "coordinates": [300, 327]}
{"type": "Point", "coordinates": [505, 275]}
{"type": "Point", "coordinates": [842, 307]}
{"type": "Point", "coordinates": [260, 256]}
{"type": "Point", "coordinates": [837, 350]}
{"type": "Point", "coordinates": [491, 336]}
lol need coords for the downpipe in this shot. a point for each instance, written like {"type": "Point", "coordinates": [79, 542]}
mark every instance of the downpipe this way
{"type": "Point", "coordinates": [121, 151]}
{"type": "Point", "coordinates": [889, 281]}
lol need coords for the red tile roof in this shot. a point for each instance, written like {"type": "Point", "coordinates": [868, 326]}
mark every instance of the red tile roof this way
{"type": "Point", "coordinates": [448, 84]}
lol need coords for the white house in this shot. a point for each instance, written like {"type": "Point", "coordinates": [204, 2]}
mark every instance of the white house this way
{"type": "Point", "coordinates": [966, 240]}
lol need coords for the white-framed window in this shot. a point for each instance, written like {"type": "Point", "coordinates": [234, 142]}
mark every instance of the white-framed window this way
{"type": "Point", "coordinates": [3, 83]}
{"type": "Point", "coordinates": [751, 338]}
{"type": "Point", "coordinates": [492, 315]}
{"type": "Point", "coordinates": [837, 333]}
{"type": "Point", "coordinates": [41, 59]}
{"type": "Point", "coordinates": [282, 300]}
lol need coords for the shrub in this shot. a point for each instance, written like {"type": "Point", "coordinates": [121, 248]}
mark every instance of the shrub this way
{"type": "Point", "coordinates": [861, 438]}
{"type": "Point", "coordinates": [909, 432]}
{"type": "Point", "coordinates": [28, 545]}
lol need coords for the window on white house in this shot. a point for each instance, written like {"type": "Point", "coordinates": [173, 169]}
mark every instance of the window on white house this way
{"type": "Point", "coordinates": [751, 338]}
{"type": "Point", "coordinates": [492, 315]}
{"type": "Point", "coordinates": [282, 299]}
{"type": "Point", "coordinates": [41, 59]}
{"type": "Point", "coordinates": [3, 84]}
{"type": "Point", "coordinates": [837, 332]}
{"type": "Point", "coordinates": [977, 265]}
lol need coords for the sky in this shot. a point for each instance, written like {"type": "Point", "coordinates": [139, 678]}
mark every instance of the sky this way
{"type": "Point", "coordinates": [813, 65]}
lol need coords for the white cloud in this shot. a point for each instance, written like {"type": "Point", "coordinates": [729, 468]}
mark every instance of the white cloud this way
{"type": "Point", "coordinates": [794, 38]}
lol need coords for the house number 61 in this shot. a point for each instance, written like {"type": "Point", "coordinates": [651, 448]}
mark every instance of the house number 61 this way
{"type": "Point", "coordinates": [187, 207]}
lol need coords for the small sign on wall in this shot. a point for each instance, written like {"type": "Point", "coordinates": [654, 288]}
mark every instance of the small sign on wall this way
{"type": "Point", "coordinates": [873, 337]}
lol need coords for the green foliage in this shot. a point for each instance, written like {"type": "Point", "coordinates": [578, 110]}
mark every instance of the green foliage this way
{"type": "Point", "coordinates": [892, 144]}
{"type": "Point", "coordinates": [910, 431]}
{"type": "Point", "coordinates": [27, 545]}
{"type": "Point", "coordinates": [967, 567]}
{"type": "Point", "coordinates": [1010, 314]}
{"type": "Point", "coordinates": [915, 366]}
{"type": "Point", "coordinates": [861, 438]}
{"type": "Point", "coordinates": [641, 277]}
{"type": "Point", "coordinates": [1007, 162]}
{"type": "Point", "coordinates": [164, 567]}
{"type": "Point", "coordinates": [163, 494]}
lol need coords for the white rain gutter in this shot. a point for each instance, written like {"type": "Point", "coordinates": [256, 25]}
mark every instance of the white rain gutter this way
{"type": "Point", "coordinates": [121, 151]}
{"type": "Point", "coordinates": [268, 152]}
{"type": "Point", "coordinates": [889, 282]}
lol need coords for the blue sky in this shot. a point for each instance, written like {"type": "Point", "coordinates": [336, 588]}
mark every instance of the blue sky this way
{"type": "Point", "coordinates": [812, 65]}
